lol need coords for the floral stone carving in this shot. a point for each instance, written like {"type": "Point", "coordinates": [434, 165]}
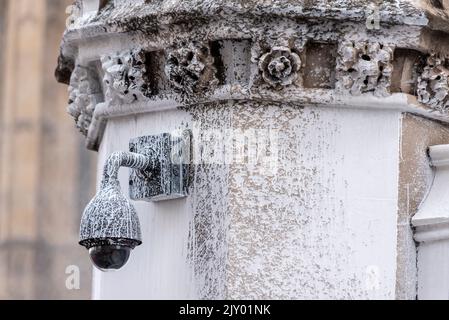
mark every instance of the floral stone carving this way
{"type": "Point", "coordinates": [124, 77]}
{"type": "Point", "coordinates": [84, 94]}
{"type": "Point", "coordinates": [190, 68]}
{"type": "Point", "coordinates": [433, 84]}
{"type": "Point", "coordinates": [364, 67]}
{"type": "Point", "coordinates": [280, 67]}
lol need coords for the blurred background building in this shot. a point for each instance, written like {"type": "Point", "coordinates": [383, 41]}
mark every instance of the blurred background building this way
{"type": "Point", "coordinates": [45, 171]}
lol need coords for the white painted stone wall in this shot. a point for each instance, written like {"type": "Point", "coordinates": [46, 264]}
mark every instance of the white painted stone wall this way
{"type": "Point", "coordinates": [322, 225]}
{"type": "Point", "coordinates": [159, 269]}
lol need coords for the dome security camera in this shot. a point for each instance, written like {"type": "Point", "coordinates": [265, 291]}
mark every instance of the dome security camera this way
{"type": "Point", "coordinates": [110, 227]}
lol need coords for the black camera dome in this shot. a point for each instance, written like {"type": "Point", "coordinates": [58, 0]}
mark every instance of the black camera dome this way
{"type": "Point", "coordinates": [110, 257]}
{"type": "Point", "coordinates": [110, 254]}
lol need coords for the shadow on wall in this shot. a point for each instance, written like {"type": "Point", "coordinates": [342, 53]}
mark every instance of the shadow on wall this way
{"type": "Point", "coordinates": [46, 175]}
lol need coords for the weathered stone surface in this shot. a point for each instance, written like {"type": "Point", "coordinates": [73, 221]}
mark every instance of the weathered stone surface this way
{"type": "Point", "coordinates": [84, 94]}
{"type": "Point", "coordinates": [433, 84]}
{"type": "Point", "coordinates": [364, 67]}
{"type": "Point", "coordinates": [64, 70]}
{"type": "Point", "coordinates": [415, 178]}
{"type": "Point", "coordinates": [161, 51]}
{"type": "Point", "coordinates": [243, 64]}
{"type": "Point", "coordinates": [190, 68]}
{"type": "Point", "coordinates": [280, 67]}
{"type": "Point", "coordinates": [128, 15]}
{"type": "Point", "coordinates": [124, 76]}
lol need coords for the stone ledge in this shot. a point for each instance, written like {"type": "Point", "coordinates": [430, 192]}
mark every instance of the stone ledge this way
{"type": "Point", "coordinates": [126, 15]}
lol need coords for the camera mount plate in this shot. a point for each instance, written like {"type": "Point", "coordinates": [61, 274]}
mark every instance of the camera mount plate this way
{"type": "Point", "coordinates": [169, 176]}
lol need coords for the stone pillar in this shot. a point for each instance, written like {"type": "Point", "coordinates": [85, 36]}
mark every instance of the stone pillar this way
{"type": "Point", "coordinates": [43, 184]}
{"type": "Point", "coordinates": [310, 128]}
{"type": "Point", "coordinates": [431, 233]}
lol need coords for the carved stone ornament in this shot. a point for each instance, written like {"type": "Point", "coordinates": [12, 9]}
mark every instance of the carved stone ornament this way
{"type": "Point", "coordinates": [84, 94]}
{"type": "Point", "coordinates": [280, 67]}
{"type": "Point", "coordinates": [433, 84]}
{"type": "Point", "coordinates": [74, 12]}
{"type": "Point", "coordinates": [364, 67]}
{"type": "Point", "coordinates": [124, 77]}
{"type": "Point", "coordinates": [181, 53]}
{"type": "Point", "coordinates": [190, 68]}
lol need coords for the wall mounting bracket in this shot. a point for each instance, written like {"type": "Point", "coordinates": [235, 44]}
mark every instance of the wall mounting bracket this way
{"type": "Point", "coordinates": [169, 177]}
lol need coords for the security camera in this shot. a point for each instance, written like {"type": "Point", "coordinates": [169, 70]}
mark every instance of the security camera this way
{"type": "Point", "coordinates": [110, 227]}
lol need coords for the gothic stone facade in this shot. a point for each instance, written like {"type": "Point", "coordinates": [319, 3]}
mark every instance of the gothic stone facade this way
{"type": "Point", "coordinates": [319, 73]}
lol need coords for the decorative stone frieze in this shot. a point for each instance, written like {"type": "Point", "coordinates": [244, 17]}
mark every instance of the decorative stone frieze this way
{"type": "Point", "coordinates": [190, 68]}
{"type": "Point", "coordinates": [280, 67]}
{"type": "Point", "coordinates": [84, 94]}
{"type": "Point", "coordinates": [124, 77]}
{"type": "Point", "coordinates": [189, 54]}
{"type": "Point", "coordinates": [364, 67]}
{"type": "Point", "coordinates": [433, 84]}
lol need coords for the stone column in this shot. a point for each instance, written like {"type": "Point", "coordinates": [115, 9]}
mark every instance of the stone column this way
{"type": "Point", "coordinates": [310, 127]}
{"type": "Point", "coordinates": [42, 186]}
{"type": "Point", "coordinates": [431, 223]}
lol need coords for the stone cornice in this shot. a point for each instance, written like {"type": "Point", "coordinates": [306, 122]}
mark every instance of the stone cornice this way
{"type": "Point", "coordinates": [131, 15]}
{"type": "Point", "coordinates": [138, 58]}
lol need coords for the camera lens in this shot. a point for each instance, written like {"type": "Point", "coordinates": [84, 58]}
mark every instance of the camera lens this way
{"type": "Point", "coordinates": [109, 257]}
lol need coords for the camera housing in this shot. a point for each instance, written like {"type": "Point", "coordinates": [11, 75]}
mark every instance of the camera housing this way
{"type": "Point", "coordinates": [110, 228]}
